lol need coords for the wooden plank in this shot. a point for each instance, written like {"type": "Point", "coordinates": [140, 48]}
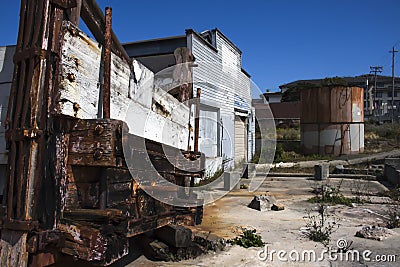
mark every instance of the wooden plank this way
{"type": "Point", "coordinates": [82, 234]}
{"type": "Point", "coordinates": [118, 192]}
{"type": "Point", "coordinates": [79, 251]}
{"type": "Point", "coordinates": [13, 249]}
{"type": "Point", "coordinates": [79, 92]}
{"type": "Point", "coordinates": [84, 145]}
{"type": "Point", "coordinates": [106, 160]}
{"type": "Point", "coordinates": [88, 195]}
{"type": "Point", "coordinates": [117, 175]}
{"type": "Point", "coordinates": [94, 215]}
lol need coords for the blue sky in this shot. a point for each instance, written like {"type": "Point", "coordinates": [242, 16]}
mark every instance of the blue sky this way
{"type": "Point", "coordinates": [281, 40]}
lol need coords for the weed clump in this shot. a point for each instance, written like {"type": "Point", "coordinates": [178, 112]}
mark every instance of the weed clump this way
{"type": "Point", "coordinates": [249, 238]}
{"type": "Point", "coordinates": [332, 195]}
{"type": "Point", "coordinates": [393, 217]}
{"type": "Point", "coordinates": [318, 229]}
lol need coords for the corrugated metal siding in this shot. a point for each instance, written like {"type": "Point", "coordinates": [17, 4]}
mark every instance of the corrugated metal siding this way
{"type": "Point", "coordinates": [6, 75]}
{"type": "Point", "coordinates": [220, 77]}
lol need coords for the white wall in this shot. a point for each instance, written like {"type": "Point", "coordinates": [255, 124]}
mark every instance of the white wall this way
{"type": "Point", "coordinates": [219, 76]}
{"type": "Point", "coordinates": [6, 75]}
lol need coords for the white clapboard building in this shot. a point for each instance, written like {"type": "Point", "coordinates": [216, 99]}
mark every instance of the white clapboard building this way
{"type": "Point", "coordinates": [227, 123]}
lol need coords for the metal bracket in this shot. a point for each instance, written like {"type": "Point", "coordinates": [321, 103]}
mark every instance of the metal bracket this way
{"type": "Point", "coordinates": [28, 53]}
{"type": "Point", "coordinates": [19, 225]}
{"type": "Point", "coordinates": [21, 134]}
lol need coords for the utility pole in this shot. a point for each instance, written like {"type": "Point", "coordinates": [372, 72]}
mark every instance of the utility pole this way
{"type": "Point", "coordinates": [375, 70]}
{"type": "Point", "coordinates": [393, 55]}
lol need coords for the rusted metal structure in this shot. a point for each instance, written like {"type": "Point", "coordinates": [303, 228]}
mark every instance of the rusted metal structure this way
{"type": "Point", "coordinates": [69, 189]}
{"type": "Point", "coordinates": [332, 120]}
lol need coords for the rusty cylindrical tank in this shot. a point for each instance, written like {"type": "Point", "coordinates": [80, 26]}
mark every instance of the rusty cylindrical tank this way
{"type": "Point", "coordinates": [332, 120]}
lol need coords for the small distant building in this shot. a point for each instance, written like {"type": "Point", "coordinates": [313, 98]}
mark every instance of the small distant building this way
{"type": "Point", "coordinates": [286, 113]}
{"type": "Point", "coordinates": [273, 97]}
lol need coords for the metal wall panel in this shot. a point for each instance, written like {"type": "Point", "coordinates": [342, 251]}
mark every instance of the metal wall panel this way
{"type": "Point", "coordinates": [355, 137]}
{"type": "Point", "coordinates": [332, 120]}
{"type": "Point", "coordinates": [6, 75]}
{"type": "Point", "coordinates": [309, 110]}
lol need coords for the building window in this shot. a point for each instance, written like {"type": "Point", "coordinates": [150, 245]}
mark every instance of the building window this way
{"type": "Point", "coordinates": [379, 94]}
{"type": "Point", "coordinates": [390, 94]}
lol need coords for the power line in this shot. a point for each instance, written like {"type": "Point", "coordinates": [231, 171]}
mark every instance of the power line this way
{"type": "Point", "coordinates": [393, 52]}
{"type": "Point", "coordinates": [385, 59]}
{"type": "Point", "coordinates": [375, 70]}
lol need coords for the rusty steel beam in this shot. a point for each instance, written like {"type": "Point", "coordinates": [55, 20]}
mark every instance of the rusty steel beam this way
{"type": "Point", "coordinates": [94, 19]}
{"type": "Point", "coordinates": [65, 4]}
{"type": "Point", "coordinates": [75, 13]}
{"type": "Point", "coordinates": [197, 122]}
{"type": "Point", "coordinates": [107, 64]}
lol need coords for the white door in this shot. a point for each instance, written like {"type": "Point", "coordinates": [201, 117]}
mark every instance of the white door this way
{"type": "Point", "coordinates": [240, 139]}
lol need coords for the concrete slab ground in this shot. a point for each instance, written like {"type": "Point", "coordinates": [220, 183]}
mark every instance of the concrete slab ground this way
{"type": "Point", "coordinates": [281, 230]}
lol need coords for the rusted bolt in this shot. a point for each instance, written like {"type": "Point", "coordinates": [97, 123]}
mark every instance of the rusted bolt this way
{"type": "Point", "coordinates": [71, 77]}
{"type": "Point", "coordinates": [77, 62]}
{"type": "Point", "coordinates": [98, 130]}
{"type": "Point", "coordinates": [76, 107]}
{"type": "Point", "coordinates": [98, 153]}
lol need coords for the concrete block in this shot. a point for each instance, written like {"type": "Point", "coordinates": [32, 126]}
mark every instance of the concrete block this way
{"type": "Point", "coordinates": [262, 203]}
{"type": "Point", "coordinates": [277, 207]}
{"type": "Point", "coordinates": [392, 170]}
{"type": "Point", "coordinates": [321, 171]}
{"type": "Point", "coordinates": [231, 181]}
{"type": "Point", "coordinates": [160, 251]}
{"type": "Point", "coordinates": [249, 170]}
{"type": "Point", "coordinates": [209, 241]}
{"type": "Point", "coordinates": [374, 233]}
{"type": "Point", "coordinates": [174, 235]}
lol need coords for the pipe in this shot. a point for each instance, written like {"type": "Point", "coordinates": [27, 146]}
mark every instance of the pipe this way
{"type": "Point", "coordinates": [107, 64]}
{"type": "Point", "coordinates": [197, 122]}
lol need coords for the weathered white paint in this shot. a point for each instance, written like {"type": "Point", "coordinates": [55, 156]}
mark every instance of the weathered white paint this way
{"type": "Point", "coordinates": [331, 135]}
{"type": "Point", "coordinates": [309, 136]}
{"type": "Point", "coordinates": [218, 74]}
{"type": "Point", "coordinates": [251, 144]}
{"type": "Point", "coordinates": [355, 137]}
{"type": "Point", "coordinates": [356, 113]}
{"type": "Point", "coordinates": [208, 138]}
{"type": "Point", "coordinates": [361, 137]}
{"type": "Point", "coordinates": [212, 165]}
{"type": "Point", "coordinates": [136, 102]}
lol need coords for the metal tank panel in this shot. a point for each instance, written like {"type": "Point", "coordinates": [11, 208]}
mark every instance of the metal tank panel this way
{"type": "Point", "coordinates": [332, 120]}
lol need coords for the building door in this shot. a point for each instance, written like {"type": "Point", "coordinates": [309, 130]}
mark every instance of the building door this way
{"type": "Point", "coordinates": [240, 138]}
{"type": "Point", "coordinates": [209, 132]}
